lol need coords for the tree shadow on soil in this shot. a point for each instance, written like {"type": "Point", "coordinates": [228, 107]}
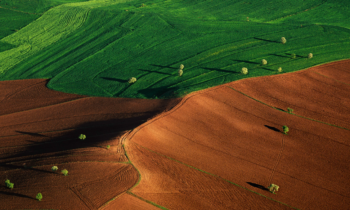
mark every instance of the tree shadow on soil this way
{"type": "Point", "coordinates": [15, 194]}
{"type": "Point", "coordinates": [257, 186]}
{"type": "Point", "coordinates": [114, 79]}
{"type": "Point", "coordinates": [32, 134]}
{"type": "Point", "coordinates": [266, 40]}
{"type": "Point", "coordinates": [98, 133]}
{"type": "Point", "coordinates": [272, 128]}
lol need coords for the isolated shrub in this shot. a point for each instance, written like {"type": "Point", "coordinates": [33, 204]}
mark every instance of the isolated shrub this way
{"type": "Point", "coordinates": [7, 182]}
{"type": "Point", "coordinates": [82, 137]}
{"type": "Point", "coordinates": [10, 185]}
{"type": "Point", "coordinates": [132, 80]}
{"type": "Point", "coordinates": [39, 196]}
{"type": "Point", "coordinates": [244, 70]}
{"type": "Point", "coordinates": [273, 188]}
{"type": "Point", "coordinates": [279, 69]}
{"type": "Point", "coordinates": [283, 40]}
{"type": "Point", "coordinates": [263, 62]}
{"type": "Point", "coordinates": [54, 168]}
{"type": "Point", "coordinates": [293, 56]}
{"type": "Point", "coordinates": [285, 129]}
{"type": "Point", "coordinates": [310, 55]}
{"type": "Point", "coordinates": [182, 66]}
{"type": "Point", "coordinates": [290, 110]}
{"type": "Point", "coordinates": [64, 172]}
{"type": "Point", "coordinates": [180, 72]}
{"type": "Point", "coordinates": [108, 146]}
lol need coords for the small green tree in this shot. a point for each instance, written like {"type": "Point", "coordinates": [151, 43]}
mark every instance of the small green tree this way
{"type": "Point", "coordinates": [10, 185]}
{"type": "Point", "coordinates": [39, 196]}
{"type": "Point", "coordinates": [293, 56]}
{"type": "Point", "coordinates": [132, 80]}
{"type": "Point", "coordinates": [273, 188]}
{"type": "Point", "coordinates": [108, 146]}
{"type": "Point", "coordinates": [82, 137]}
{"type": "Point", "coordinates": [283, 40]}
{"type": "Point", "coordinates": [64, 172]}
{"type": "Point", "coordinates": [310, 55]}
{"type": "Point", "coordinates": [279, 69]}
{"type": "Point", "coordinates": [244, 70]}
{"type": "Point", "coordinates": [290, 110]}
{"type": "Point", "coordinates": [180, 72]}
{"type": "Point", "coordinates": [54, 168]}
{"type": "Point", "coordinates": [263, 62]}
{"type": "Point", "coordinates": [285, 129]}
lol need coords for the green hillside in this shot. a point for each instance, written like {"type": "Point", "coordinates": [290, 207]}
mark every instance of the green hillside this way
{"type": "Point", "coordinates": [94, 47]}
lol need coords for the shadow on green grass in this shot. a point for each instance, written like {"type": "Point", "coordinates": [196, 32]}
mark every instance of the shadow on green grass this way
{"type": "Point", "coordinates": [251, 62]}
{"type": "Point", "coordinates": [114, 79]}
{"type": "Point", "coordinates": [168, 67]}
{"type": "Point", "coordinates": [150, 71]}
{"type": "Point", "coordinates": [160, 92]}
{"type": "Point", "coordinates": [266, 40]}
{"type": "Point", "coordinates": [222, 70]}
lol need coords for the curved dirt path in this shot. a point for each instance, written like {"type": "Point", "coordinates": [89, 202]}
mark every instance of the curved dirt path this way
{"type": "Point", "coordinates": [194, 156]}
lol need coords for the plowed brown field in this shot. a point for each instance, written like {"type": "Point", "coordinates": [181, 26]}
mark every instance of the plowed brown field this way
{"type": "Point", "coordinates": [223, 136]}
{"type": "Point", "coordinates": [214, 149]}
{"type": "Point", "coordinates": [39, 128]}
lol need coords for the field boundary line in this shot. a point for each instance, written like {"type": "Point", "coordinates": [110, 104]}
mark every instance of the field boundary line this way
{"type": "Point", "coordinates": [21, 11]}
{"type": "Point", "coordinates": [331, 78]}
{"type": "Point", "coordinates": [215, 176]}
{"type": "Point", "coordinates": [286, 111]}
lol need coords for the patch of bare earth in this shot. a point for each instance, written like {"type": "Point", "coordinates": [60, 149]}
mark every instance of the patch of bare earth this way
{"type": "Point", "coordinates": [39, 128]}
{"type": "Point", "coordinates": [237, 139]}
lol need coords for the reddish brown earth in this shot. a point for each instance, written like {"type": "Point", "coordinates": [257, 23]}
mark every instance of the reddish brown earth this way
{"type": "Point", "coordinates": [216, 149]}
{"type": "Point", "coordinates": [237, 139]}
{"type": "Point", "coordinates": [39, 128]}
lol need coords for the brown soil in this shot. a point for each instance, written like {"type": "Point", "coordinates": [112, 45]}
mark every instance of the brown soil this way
{"type": "Point", "coordinates": [216, 149]}
{"type": "Point", "coordinates": [231, 136]}
{"type": "Point", "coordinates": [39, 128]}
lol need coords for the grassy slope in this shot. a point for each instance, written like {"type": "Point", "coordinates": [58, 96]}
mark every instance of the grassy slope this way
{"type": "Point", "coordinates": [93, 47]}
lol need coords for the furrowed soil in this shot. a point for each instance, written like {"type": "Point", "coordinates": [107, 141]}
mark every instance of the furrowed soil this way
{"type": "Point", "coordinates": [217, 148]}
{"type": "Point", "coordinates": [218, 145]}
{"type": "Point", "coordinates": [40, 128]}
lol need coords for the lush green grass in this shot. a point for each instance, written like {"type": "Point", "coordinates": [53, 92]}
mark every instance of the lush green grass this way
{"type": "Point", "coordinates": [94, 47]}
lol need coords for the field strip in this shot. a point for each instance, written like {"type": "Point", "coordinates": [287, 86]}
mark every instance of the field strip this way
{"type": "Point", "coordinates": [298, 12]}
{"type": "Point", "coordinates": [331, 78]}
{"type": "Point", "coordinates": [43, 107]}
{"type": "Point", "coordinates": [21, 11]}
{"type": "Point", "coordinates": [39, 143]}
{"type": "Point", "coordinates": [16, 92]}
{"type": "Point", "coordinates": [214, 175]}
{"type": "Point", "coordinates": [286, 111]}
{"type": "Point", "coordinates": [150, 202]}
{"type": "Point", "coordinates": [66, 163]}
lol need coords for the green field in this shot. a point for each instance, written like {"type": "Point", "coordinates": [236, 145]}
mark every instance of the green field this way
{"type": "Point", "coordinates": [94, 47]}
